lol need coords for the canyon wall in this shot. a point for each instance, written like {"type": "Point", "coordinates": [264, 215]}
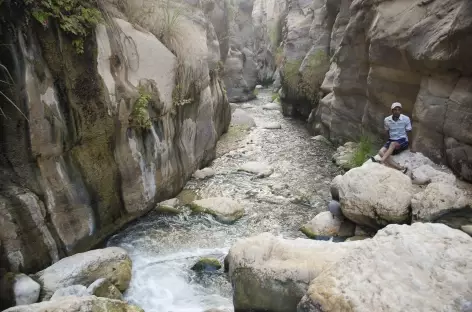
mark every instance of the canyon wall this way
{"type": "Point", "coordinates": [106, 133]}
{"type": "Point", "coordinates": [345, 63]}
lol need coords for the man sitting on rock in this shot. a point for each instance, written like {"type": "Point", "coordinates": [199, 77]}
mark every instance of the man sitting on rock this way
{"type": "Point", "coordinates": [396, 126]}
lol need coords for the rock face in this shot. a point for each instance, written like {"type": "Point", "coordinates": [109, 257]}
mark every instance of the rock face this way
{"type": "Point", "coordinates": [76, 304]}
{"type": "Point", "coordinates": [272, 274]}
{"type": "Point", "coordinates": [90, 158]}
{"type": "Point", "coordinates": [398, 269]}
{"type": "Point", "coordinates": [85, 268]}
{"type": "Point", "coordinates": [375, 195]}
{"type": "Point", "coordinates": [223, 209]}
{"type": "Point", "coordinates": [414, 52]}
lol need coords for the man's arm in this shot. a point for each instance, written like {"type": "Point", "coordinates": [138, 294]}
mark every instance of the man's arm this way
{"type": "Point", "coordinates": [387, 129]}
{"type": "Point", "coordinates": [408, 129]}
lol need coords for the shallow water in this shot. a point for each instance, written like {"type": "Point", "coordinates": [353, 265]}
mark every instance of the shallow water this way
{"type": "Point", "coordinates": [164, 248]}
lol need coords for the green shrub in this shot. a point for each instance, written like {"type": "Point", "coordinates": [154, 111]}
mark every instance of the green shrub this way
{"type": "Point", "coordinates": [75, 17]}
{"type": "Point", "coordinates": [140, 115]}
{"type": "Point", "coordinates": [255, 92]}
{"type": "Point", "coordinates": [275, 97]}
{"type": "Point", "coordinates": [364, 149]}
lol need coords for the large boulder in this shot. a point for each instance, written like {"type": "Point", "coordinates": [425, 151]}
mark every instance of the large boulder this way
{"type": "Point", "coordinates": [85, 268]}
{"type": "Point", "coordinates": [224, 209]}
{"type": "Point", "coordinates": [436, 200]}
{"type": "Point", "coordinates": [78, 304]}
{"type": "Point", "coordinates": [270, 273]}
{"type": "Point", "coordinates": [375, 195]}
{"type": "Point", "coordinates": [396, 271]}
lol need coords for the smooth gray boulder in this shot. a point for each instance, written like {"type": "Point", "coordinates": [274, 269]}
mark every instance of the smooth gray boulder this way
{"type": "Point", "coordinates": [85, 268]}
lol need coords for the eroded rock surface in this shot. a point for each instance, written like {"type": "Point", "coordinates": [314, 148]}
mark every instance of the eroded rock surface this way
{"type": "Point", "coordinates": [398, 269]}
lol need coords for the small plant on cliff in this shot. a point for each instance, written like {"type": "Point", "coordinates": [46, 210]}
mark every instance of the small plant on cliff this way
{"type": "Point", "coordinates": [362, 152]}
{"type": "Point", "coordinates": [75, 17]}
{"type": "Point", "coordinates": [7, 83]}
{"type": "Point", "coordinates": [140, 115]}
{"type": "Point", "coordinates": [275, 98]}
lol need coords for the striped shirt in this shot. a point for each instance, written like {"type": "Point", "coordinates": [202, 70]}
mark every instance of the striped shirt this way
{"type": "Point", "coordinates": [397, 129]}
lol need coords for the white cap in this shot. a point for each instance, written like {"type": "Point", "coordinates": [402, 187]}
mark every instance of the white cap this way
{"type": "Point", "coordinates": [396, 104]}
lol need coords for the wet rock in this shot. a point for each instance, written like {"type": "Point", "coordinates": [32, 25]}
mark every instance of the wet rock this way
{"type": "Point", "coordinates": [467, 229]}
{"type": "Point", "coordinates": [259, 87]}
{"type": "Point", "coordinates": [272, 125]}
{"type": "Point", "coordinates": [325, 224]}
{"type": "Point", "coordinates": [224, 209]}
{"type": "Point", "coordinates": [271, 106]}
{"type": "Point", "coordinates": [187, 196]}
{"type": "Point", "coordinates": [85, 268]}
{"type": "Point", "coordinates": [104, 288]}
{"type": "Point", "coordinates": [436, 200]}
{"type": "Point", "coordinates": [169, 206]}
{"type": "Point", "coordinates": [261, 169]}
{"type": "Point", "coordinates": [74, 290]}
{"type": "Point", "coordinates": [242, 119]}
{"type": "Point", "coordinates": [24, 289]}
{"type": "Point", "coordinates": [207, 265]}
{"type": "Point", "coordinates": [398, 268]}
{"type": "Point", "coordinates": [375, 195]}
{"type": "Point", "coordinates": [204, 173]}
{"type": "Point", "coordinates": [76, 304]}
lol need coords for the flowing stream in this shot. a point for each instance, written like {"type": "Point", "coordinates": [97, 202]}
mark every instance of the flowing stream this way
{"type": "Point", "coordinates": [163, 248]}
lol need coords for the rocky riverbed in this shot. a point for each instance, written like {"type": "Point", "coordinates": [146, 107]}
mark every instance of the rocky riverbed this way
{"type": "Point", "coordinates": [281, 178]}
{"type": "Point", "coordinates": [237, 237]}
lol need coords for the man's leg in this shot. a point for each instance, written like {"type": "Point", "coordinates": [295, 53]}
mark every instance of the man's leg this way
{"type": "Point", "coordinates": [387, 153]}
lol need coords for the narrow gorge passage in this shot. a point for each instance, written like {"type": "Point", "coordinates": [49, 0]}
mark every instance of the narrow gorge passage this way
{"type": "Point", "coordinates": [164, 247]}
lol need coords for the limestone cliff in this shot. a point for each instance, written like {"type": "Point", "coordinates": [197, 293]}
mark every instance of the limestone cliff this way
{"type": "Point", "coordinates": [108, 132]}
{"type": "Point", "coordinates": [346, 61]}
